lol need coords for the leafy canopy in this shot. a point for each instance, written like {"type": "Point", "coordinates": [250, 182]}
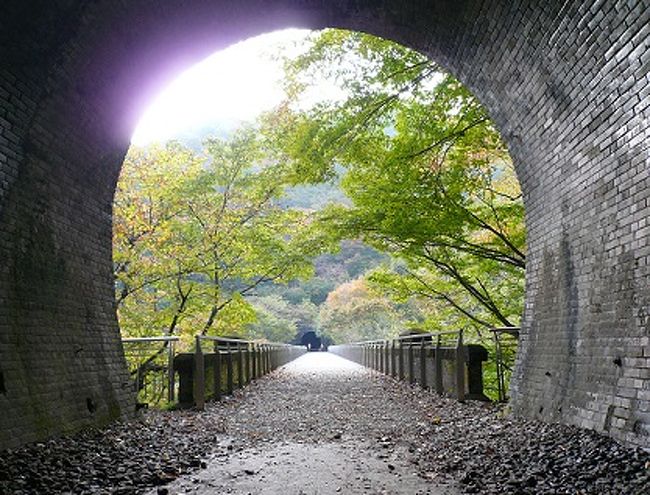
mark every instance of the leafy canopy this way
{"type": "Point", "coordinates": [194, 234]}
{"type": "Point", "coordinates": [429, 179]}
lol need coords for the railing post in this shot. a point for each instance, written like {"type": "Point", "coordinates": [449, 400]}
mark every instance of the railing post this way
{"type": "Point", "coordinates": [393, 370]}
{"type": "Point", "coordinates": [240, 366]}
{"type": "Point", "coordinates": [267, 359]}
{"type": "Point", "coordinates": [460, 367]}
{"type": "Point", "coordinates": [375, 357]}
{"type": "Point", "coordinates": [499, 367]}
{"type": "Point", "coordinates": [171, 373]}
{"type": "Point", "coordinates": [254, 360]}
{"type": "Point", "coordinates": [411, 363]}
{"type": "Point", "coordinates": [261, 363]}
{"type": "Point", "coordinates": [199, 376]}
{"type": "Point", "coordinates": [247, 366]}
{"type": "Point", "coordinates": [423, 364]}
{"type": "Point", "coordinates": [271, 358]}
{"type": "Point", "coordinates": [438, 367]}
{"type": "Point", "coordinates": [229, 370]}
{"type": "Point", "coordinates": [217, 371]}
{"type": "Point", "coordinates": [400, 371]}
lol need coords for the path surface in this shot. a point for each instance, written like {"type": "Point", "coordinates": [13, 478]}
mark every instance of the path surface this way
{"type": "Point", "coordinates": [323, 425]}
{"type": "Point", "coordinates": [320, 425]}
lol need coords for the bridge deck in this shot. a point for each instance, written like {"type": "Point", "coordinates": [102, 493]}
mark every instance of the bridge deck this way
{"type": "Point", "coordinates": [319, 425]}
{"type": "Point", "coordinates": [324, 425]}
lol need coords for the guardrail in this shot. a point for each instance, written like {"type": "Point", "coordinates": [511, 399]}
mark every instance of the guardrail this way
{"type": "Point", "coordinates": [153, 368]}
{"type": "Point", "coordinates": [440, 361]}
{"type": "Point", "coordinates": [505, 346]}
{"type": "Point", "coordinates": [250, 360]}
{"type": "Point", "coordinates": [233, 363]}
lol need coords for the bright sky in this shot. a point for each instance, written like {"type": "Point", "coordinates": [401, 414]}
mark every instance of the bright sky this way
{"type": "Point", "coordinates": [232, 85]}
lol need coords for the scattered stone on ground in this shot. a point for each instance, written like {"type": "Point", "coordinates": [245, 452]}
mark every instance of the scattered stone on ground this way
{"type": "Point", "coordinates": [325, 405]}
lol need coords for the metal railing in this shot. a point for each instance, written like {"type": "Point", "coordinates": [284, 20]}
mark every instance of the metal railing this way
{"type": "Point", "coordinates": [427, 352]}
{"type": "Point", "coordinates": [250, 360]}
{"type": "Point", "coordinates": [153, 368]}
{"type": "Point", "coordinates": [232, 363]}
{"type": "Point", "coordinates": [505, 346]}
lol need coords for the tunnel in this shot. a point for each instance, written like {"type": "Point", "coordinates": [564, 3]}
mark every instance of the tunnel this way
{"type": "Point", "coordinates": [311, 341]}
{"type": "Point", "coordinates": [567, 84]}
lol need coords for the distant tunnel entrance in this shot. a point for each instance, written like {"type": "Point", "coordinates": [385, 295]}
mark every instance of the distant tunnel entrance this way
{"type": "Point", "coordinates": [565, 82]}
{"type": "Point", "coordinates": [311, 341]}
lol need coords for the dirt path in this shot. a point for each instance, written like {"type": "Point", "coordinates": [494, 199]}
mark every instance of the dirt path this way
{"type": "Point", "coordinates": [320, 425]}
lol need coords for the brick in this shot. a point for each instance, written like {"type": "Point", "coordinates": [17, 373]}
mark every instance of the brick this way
{"type": "Point", "coordinates": [566, 83]}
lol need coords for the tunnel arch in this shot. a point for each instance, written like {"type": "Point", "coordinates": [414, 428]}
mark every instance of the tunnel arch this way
{"type": "Point", "coordinates": [566, 83]}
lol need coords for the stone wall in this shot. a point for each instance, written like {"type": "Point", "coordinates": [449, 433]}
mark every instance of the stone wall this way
{"type": "Point", "coordinates": [566, 82]}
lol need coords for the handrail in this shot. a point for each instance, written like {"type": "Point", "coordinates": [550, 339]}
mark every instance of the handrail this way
{"type": "Point", "coordinates": [229, 340]}
{"type": "Point", "coordinates": [253, 359]}
{"type": "Point", "coordinates": [514, 331]}
{"type": "Point", "coordinates": [387, 356]}
{"type": "Point", "coordinates": [430, 334]}
{"type": "Point", "coordinates": [130, 340]}
{"type": "Point", "coordinates": [407, 337]}
{"type": "Point", "coordinates": [215, 338]}
{"type": "Point", "coordinates": [169, 341]}
{"type": "Point", "coordinates": [242, 360]}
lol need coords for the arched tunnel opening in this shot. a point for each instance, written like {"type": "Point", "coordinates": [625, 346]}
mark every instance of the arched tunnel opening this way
{"type": "Point", "coordinates": [312, 341]}
{"type": "Point", "coordinates": [194, 254]}
{"type": "Point", "coordinates": [566, 86]}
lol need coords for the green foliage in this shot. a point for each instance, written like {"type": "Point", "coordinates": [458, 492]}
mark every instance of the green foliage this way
{"type": "Point", "coordinates": [351, 260]}
{"type": "Point", "coordinates": [227, 241]}
{"type": "Point", "coordinates": [353, 313]}
{"type": "Point", "coordinates": [429, 180]}
{"type": "Point", "coordinates": [194, 234]}
{"type": "Point", "coordinates": [279, 320]}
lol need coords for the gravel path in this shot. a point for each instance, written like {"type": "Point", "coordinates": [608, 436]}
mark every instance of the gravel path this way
{"type": "Point", "coordinates": [320, 425]}
{"type": "Point", "coordinates": [338, 426]}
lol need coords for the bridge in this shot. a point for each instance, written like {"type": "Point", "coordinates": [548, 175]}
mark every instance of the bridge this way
{"type": "Point", "coordinates": [566, 82]}
{"type": "Point", "coordinates": [324, 424]}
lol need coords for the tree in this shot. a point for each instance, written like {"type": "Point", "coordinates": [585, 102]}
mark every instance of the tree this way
{"type": "Point", "coordinates": [281, 321]}
{"type": "Point", "coordinates": [429, 179]}
{"type": "Point", "coordinates": [353, 313]}
{"type": "Point", "coordinates": [152, 289]}
{"type": "Point", "coordinates": [196, 234]}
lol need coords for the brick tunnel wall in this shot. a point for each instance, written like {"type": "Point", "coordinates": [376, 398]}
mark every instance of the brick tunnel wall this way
{"type": "Point", "coordinates": [566, 82]}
